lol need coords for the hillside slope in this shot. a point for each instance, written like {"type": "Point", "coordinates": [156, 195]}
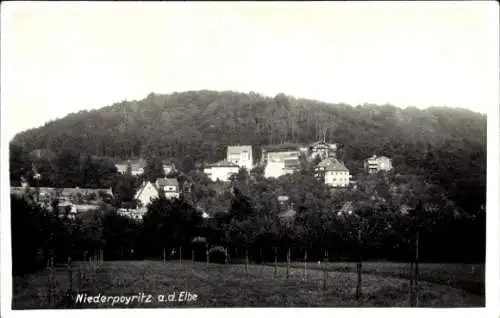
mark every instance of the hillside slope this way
{"type": "Point", "coordinates": [447, 145]}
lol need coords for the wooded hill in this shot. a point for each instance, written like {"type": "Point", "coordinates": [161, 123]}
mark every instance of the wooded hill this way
{"type": "Point", "coordinates": [448, 146]}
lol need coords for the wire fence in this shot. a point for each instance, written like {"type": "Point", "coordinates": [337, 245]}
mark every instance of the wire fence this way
{"type": "Point", "coordinates": [272, 262]}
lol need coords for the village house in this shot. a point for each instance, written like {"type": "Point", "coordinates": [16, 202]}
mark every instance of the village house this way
{"type": "Point", "coordinates": [283, 200]}
{"type": "Point", "coordinates": [204, 214]}
{"type": "Point", "coordinates": [375, 164]}
{"type": "Point", "coordinates": [347, 208]}
{"type": "Point", "coordinates": [134, 214]}
{"type": "Point", "coordinates": [136, 165]}
{"type": "Point", "coordinates": [221, 171]}
{"type": "Point", "coordinates": [322, 150]}
{"type": "Point", "coordinates": [286, 211]}
{"type": "Point", "coordinates": [278, 163]}
{"type": "Point", "coordinates": [286, 149]}
{"type": "Point", "coordinates": [45, 196]}
{"type": "Point", "coordinates": [241, 156]}
{"type": "Point", "coordinates": [146, 194]}
{"type": "Point", "coordinates": [287, 215]}
{"type": "Point", "coordinates": [150, 191]}
{"type": "Point", "coordinates": [169, 186]}
{"type": "Point", "coordinates": [333, 172]}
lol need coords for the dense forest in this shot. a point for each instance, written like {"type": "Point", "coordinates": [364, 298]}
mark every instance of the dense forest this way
{"type": "Point", "coordinates": [446, 146]}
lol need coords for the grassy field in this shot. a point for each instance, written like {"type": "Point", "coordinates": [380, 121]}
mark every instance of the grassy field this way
{"type": "Point", "coordinates": [469, 277]}
{"type": "Point", "coordinates": [229, 286]}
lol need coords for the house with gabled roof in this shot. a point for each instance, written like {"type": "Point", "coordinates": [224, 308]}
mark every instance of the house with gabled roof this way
{"type": "Point", "coordinates": [169, 187]}
{"type": "Point", "coordinates": [333, 172]}
{"type": "Point", "coordinates": [347, 208]}
{"type": "Point", "coordinates": [146, 194]}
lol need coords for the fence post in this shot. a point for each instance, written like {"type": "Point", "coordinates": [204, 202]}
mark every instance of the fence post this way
{"type": "Point", "coordinates": [275, 263]}
{"type": "Point", "coordinates": [49, 284]}
{"type": "Point", "coordinates": [288, 255]}
{"type": "Point", "coordinates": [246, 260]}
{"type": "Point", "coordinates": [305, 264]}
{"type": "Point", "coordinates": [411, 284]}
{"type": "Point", "coordinates": [78, 279]}
{"type": "Point", "coordinates": [207, 256]}
{"type": "Point", "coordinates": [325, 270]}
{"type": "Point", "coordinates": [192, 256]}
{"type": "Point", "coordinates": [417, 291]}
{"type": "Point", "coordinates": [180, 255]}
{"type": "Point", "coordinates": [164, 256]}
{"type": "Point", "coordinates": [70, 276]}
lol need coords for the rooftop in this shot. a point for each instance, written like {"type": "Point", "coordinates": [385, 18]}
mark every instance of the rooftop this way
{"type": "Point", "coordinates": [282, 147]}
{"type": "Point", "coordinates": [290, 213]}
{"type": "Point", "coordinates": [239, 149]}
{"type": "Point", "coordinates": [332, 164]}
{"type": "Point", "coordinates": [223, 163]}
{"type": "Point", "coordinates": [348, 206]}
{"type": "Point", "coordinates": [162, 182]}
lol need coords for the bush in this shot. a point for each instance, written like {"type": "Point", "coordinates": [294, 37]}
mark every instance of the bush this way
{"type": "Point", "coordinates": [217, 254]}
{"type": "Point", "coordinates": [199, 245]}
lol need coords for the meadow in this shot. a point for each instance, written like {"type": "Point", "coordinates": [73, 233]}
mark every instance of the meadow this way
{"type": "Point", "coordinates": [221, 285]}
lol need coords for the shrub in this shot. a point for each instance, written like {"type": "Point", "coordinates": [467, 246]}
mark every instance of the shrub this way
{"type": "Point", "coordinates": [199, 245]}
{"type": "Point", "coordinates": [217, 254]}
{"type": "Point", "coordinates": [199, 240]}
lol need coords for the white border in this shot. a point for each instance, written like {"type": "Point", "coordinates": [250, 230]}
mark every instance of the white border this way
{"type": "Point", "coordinates": [493, 240]}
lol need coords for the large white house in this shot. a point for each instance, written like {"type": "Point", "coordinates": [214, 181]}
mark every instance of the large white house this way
{"type": "Point", "coordinates": [280, 163]}
{"type": "Point", "coordinates": [241, 156]}
{"type": "Point", "coordinates": [221, 171]}
{"type": "Point", "coordinates": [375, 164]}
{"type": "Point", "coordinates": [333, 172]}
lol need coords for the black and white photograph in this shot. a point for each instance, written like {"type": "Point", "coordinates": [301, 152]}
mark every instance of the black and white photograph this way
{"type": "Point", "coordinates": [249, 155]}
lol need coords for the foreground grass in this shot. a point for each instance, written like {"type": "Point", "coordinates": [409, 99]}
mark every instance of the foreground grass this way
{"type": "Point", "coordinates": [229, 286]}
{"type": "Point", "coordinates": [469, 277]}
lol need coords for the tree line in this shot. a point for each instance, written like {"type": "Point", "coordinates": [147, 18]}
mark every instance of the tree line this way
{"type": "Point", "coordinates": [246, 215]}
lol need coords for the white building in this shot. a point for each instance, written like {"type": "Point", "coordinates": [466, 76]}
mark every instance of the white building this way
{"type": "Point", "coordinates": [274, 169]}
{"type": "Point", "coordinates": [281, 163]}
{"type": "Point", "coordinates": [146, 194]}
{"type": "Point", "coordinates": [135, 214]}
{"type": "Point", "coordinates": [375, 164]}
{"type": "Point", "coordinates": [137, 167]}
{"type": "Point", "coordinates": [221, 171]}
{"type": "Point", "coordinates": [333, 172]}
{"type": "Point", "coordinates": [241, 156]}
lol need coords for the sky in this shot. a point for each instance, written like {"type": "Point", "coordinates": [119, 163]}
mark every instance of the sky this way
{"type": "Point", "coordinates": [59, 58]}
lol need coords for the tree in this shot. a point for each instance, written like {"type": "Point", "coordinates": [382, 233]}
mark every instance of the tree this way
{"type": "Point", "coordinates": [154, 169]}
{"type": "Point", "coordinates": [128, 172]}
{"type": "Point", "coordinates": [170, 223]}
